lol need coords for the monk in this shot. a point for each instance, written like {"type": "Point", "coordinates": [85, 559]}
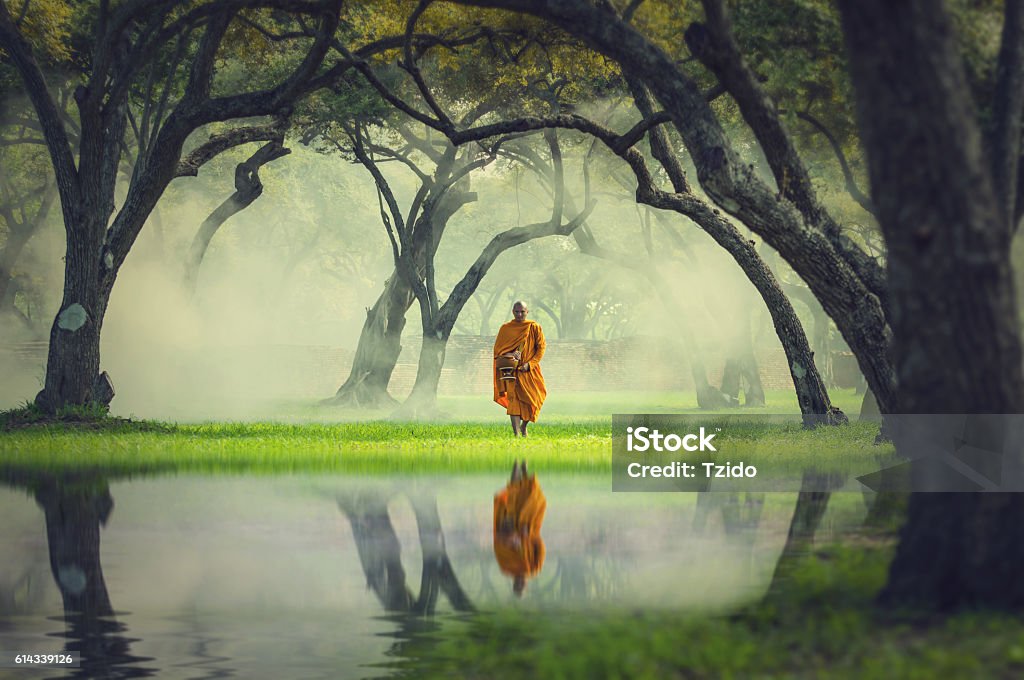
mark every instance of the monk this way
{"type": "Point", "coordinates": [524, 341]}
{"type": "Point", "coordinates": [518, 513]}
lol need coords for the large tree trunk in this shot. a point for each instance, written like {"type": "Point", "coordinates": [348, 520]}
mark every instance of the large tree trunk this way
{"type": "Point", "coordinates": [422, 402]}
{"type": "Point", "coordinates": [73, 360]}
{"type": "Point", "coordinates": [379, 346]}
{"type": "Point", "coordinates": [948, 260]}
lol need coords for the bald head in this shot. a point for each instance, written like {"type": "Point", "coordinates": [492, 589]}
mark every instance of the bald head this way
{"type": "Point", "coordinates": [519, 310]}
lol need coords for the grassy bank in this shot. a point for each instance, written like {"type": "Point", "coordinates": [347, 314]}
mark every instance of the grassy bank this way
{"type": "Point", "coordinates": [820, 623]}
{"type": "Point", "coordinates": [378, 447]}
{"type": "Point", "coordinates": [560, 442]}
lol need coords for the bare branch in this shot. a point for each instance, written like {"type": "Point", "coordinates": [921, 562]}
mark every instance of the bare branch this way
{"type": "Point", "coordinates": [715, 46]}
{"type": "Point", "coordinates": [660, 147]}
{"type": "Point", "coordinates": [630, 10]}
{"type": "Point", "coordinates": [413, 68]}
{"type": "Point", "coordinates": [400, 158]}
{"type": "Point", "coordinates": [22, 140]}
{"type": "Point", "coordinates": [359, 150]}
{"type": "Point", "coordinates": [154, 118]}
{"type": "Point", "coordinates": [862, 199]}
{"type": "Point", "coordinates": [509, 238]}
{"type": "Point", "coordinates": [218, 144]}
{"type": "Point", "coordinates": [198, 87]}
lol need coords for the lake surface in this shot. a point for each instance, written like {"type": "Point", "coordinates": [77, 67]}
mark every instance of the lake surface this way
{"type": "Point", "coordinates": [331, 576]}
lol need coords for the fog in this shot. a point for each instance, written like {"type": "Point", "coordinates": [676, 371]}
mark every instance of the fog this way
{"type": "Point", "coordinates": [284, 288]}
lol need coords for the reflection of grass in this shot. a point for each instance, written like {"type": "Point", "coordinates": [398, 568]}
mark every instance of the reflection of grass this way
{"type": "Point", "coordinates": [820, 624]}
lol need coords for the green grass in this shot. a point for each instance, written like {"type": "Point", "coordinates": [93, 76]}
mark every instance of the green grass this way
{"type": "Point", "coordinates": [819, 623]}
{"type": "Point", "coordinates": [562, 441]}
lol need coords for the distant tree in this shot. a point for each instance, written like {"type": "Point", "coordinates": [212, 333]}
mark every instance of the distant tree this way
{"type": "Point", "coordinates": [27, 194]}
{"type": "Point", "coordinates": [415, 238]}
{"type": "Point", "coordinates": [415, 235]}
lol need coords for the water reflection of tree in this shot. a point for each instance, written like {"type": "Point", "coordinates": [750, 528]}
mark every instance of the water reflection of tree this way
{"type": "Point", "coordinates": [75, 507]}
{"type": "Point", "coordinates": [380, 553]}
{"type": "Point", "coordinates": [22, 591]}
{"type": "Point", "coordinates": [595, 572]}
{"type": "Point", "coordinates": [741, 519]}
{"type": "Point", "coordinates": [811, 504]}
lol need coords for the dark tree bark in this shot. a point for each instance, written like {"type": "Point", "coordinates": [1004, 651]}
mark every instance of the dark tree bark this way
{"type": "Point", "coordinates": [713, 43]}
{"type": "Point", "coordinates": [248, 188]}
{"type": "Point", "coordinates": [949, 271]}
{"type": "Point", "coordinates": [822, 333]}
{"type": "Point", "coordinates": [812, 395]}
{"type": "Point", "coordinates": [1004, 139]}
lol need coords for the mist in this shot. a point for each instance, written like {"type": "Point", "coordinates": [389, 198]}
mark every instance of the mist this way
{"type": "Point", "coordinates": [284, 287]}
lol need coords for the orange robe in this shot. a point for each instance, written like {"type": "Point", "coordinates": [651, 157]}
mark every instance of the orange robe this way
{"type": "Point", "coordinates": [519, 550]}
{"type": "Point", "coordinates": [526, 395]}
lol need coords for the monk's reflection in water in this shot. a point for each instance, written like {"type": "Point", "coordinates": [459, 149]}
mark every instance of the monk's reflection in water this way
{"type": "Point", "coordinates": [518, 514]}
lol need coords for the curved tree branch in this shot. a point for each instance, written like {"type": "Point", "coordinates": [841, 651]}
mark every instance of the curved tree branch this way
{"type": "Point", "coordinates": [862, 199]}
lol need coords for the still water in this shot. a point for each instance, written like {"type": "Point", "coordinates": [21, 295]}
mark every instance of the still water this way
{"type": "Point", "coordinates": [330, 577]}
